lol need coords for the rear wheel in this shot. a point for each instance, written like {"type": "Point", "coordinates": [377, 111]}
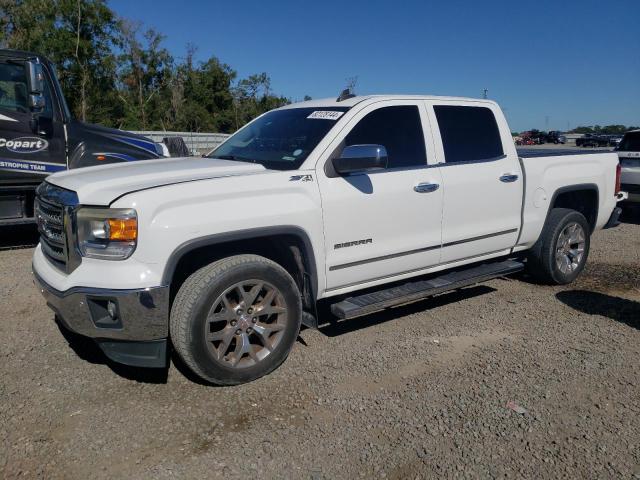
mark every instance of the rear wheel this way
{"type": "Point", "coordinates": [562, 249]}
{"type": "Point", "coordinates": [236, 319]}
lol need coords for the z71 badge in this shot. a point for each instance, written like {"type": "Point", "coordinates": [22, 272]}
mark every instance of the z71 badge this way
{"type": "Point", "coordinates": [301, 178]}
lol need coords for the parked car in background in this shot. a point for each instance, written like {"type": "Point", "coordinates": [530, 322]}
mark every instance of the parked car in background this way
{"type": "Point", "coordinates": [614, 140]}
{"type": "Point", "coordinates": [592, 140]}
{"type": "Point", "coordinates": [554, 136]}
{"type": "Point", "coordinates": [364, 202]}
{"type": "Point", "coordinates": [39, 136]}
{"type": "Point", "coordinates": [629, 156]}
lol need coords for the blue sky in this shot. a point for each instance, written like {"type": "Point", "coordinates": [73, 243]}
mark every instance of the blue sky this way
{"type": "Point", "coordinates": [550, 64]}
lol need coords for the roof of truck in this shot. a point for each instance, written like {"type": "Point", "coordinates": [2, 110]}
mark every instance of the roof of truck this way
{"type": "Point", "coordinates": [5, 52]}
{"type": "Point", "coordinates": [350, 102]}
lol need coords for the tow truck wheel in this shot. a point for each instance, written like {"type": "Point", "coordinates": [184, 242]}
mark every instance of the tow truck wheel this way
{"type": "Point", "coordinates": [236, 319]}
{"type": "Point", "coordinates": [562, 249]}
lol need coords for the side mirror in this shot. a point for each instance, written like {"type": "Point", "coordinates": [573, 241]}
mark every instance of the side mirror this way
{"type": "Point", "coordinates": [35, 77]}
{"type": "Point", "coordinates": [360, 158]}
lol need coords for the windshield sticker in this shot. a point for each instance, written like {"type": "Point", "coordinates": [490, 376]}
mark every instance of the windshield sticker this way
{"type": "Point", "coordinates": [297, 152]}
{"type": "Point", "coordinates": [325, 115]}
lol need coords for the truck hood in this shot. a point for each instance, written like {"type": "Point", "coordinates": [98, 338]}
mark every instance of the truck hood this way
{"type": "Point", "coordinates": [101, 185]}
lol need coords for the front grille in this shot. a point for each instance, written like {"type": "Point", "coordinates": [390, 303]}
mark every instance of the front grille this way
{"type": "Point", "coordinates": [53, 210]}
{"type": "Point", "coordinates": [50, 218]}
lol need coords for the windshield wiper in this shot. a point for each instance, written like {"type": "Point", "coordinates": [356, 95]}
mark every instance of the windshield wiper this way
{"type": "Point", "coordinates": [234, 157]}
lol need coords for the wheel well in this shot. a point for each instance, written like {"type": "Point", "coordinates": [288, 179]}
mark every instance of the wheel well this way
{"type": "Point", "coordinates": [287, 250]}
{"type": "Point", "coordinates": [583, 200]}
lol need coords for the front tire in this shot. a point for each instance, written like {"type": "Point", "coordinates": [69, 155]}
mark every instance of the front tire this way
{"type": "Point", "coordinates": [561, 252]}
{"type": "Point", "coordinates": [236, 320]}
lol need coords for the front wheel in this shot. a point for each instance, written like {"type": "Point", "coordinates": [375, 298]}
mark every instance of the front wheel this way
{"type": "Point", "coordinates": [561, 252]}
{"type": "Point", "coordinates": [236, 319]}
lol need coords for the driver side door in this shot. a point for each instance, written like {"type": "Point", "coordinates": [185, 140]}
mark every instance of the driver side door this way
{"type": "Point", "coordinates": [382, 224]}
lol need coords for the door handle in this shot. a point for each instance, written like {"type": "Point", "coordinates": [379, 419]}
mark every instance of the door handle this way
{"type": "Point", "coordinates": [509, 177]}
{"type": "Point", "coordinates": [426, 187]}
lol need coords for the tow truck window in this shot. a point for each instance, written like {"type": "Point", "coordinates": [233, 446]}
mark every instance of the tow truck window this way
{"type": "Point", "coordinates": [13, 88]}
{"type": "Point", "coordinates": [469, 134]}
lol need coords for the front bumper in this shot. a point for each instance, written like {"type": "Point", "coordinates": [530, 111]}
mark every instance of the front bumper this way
{"type": "Point", "coordinates": [131, 326]}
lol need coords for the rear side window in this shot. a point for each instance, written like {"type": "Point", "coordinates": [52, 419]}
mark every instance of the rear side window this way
{"type": "Point", "coordinates": [469, 134]}
{"type": "Point", "coordinates": [630, 142]}
{"type": "Point", "coordinates": [398, 129]}
{"type": "Point", "coordinates": [13, 88]}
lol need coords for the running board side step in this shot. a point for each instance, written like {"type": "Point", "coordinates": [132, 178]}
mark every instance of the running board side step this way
{"type": "Point", "coordinates": [416, 290]}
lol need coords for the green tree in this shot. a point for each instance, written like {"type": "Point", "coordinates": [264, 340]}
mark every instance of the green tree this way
{"type": "Point", "coordinates": [79, 37]}
{"type": "Point", "coordinates": [252, 97]}
{"type": "Point", "coordinates": [115, 74]}
{"type": "Point", "coordinates": [144, 74]}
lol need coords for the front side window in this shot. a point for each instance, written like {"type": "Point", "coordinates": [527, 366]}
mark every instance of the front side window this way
{"type": "Point", "coordinates": [280, 139]}
{"type": "Point", "coordinates": [396, 128]}
{"type": "Point", "coordinates": [469, 134]}
{"type": "Point", "coordinates": [13, 88]}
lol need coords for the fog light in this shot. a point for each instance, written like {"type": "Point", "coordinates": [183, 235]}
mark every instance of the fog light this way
{"type": "Point", "coordinates": [112, 310]}
{"type": "Point", "coordinates": [104, 312]}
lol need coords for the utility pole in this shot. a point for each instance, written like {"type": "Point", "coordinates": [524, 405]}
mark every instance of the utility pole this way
{"type": "Point", "coordinates": [484, 93]}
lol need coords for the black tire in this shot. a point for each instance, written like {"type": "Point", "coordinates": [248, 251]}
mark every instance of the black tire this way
{"type": "Point", "coordinates": [194, 302]}
{"type": "Point", "coordinates": [541, 262]}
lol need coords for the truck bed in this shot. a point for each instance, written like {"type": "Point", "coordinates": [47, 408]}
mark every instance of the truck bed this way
{"type": "Point", "coordinates": [553, 152]}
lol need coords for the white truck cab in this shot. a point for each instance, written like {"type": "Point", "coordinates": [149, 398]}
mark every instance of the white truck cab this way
{"type": "Point", "coordinates": [362, 202]}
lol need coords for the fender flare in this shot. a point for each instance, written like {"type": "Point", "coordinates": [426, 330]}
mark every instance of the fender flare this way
{"type": "Point", "coordinates": [247, 234]}
{"type": "Point", "coordinates": [575, 188]}
{"type": "Point", "coordinates": [559, 191]}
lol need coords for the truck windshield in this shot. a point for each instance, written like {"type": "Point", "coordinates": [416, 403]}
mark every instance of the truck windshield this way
{"type": "Point", "coordinates": [281, 139]}
{"type": "Point", "coordinates": [630, 142]}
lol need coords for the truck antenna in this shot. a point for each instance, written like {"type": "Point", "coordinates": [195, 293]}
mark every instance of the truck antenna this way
{"type": "Point", "coordinates": [349, 91]}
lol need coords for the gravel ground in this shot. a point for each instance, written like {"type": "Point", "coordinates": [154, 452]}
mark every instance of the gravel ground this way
{"type": "Point", "coordinates": [505, 379]}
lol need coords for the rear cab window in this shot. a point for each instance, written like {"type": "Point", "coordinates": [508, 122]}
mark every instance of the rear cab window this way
{"type": "Point", "coordinates": [469, 133]}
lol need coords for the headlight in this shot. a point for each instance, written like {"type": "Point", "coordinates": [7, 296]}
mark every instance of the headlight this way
{"type": "Point", "coordinates": [107, 233]}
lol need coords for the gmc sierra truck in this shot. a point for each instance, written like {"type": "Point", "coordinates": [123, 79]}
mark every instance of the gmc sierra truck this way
{"type": "Point", "coordinates": [39, 136]}
{"type": "Point", "coordinates": [362, 203]}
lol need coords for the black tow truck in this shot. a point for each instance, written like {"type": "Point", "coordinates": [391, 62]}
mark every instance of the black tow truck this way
{"type": "Point", "coordinates": [39, 136]}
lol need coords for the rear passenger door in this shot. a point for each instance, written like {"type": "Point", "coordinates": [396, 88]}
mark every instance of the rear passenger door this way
{"type": "Point", "coordinates": [481, 178]}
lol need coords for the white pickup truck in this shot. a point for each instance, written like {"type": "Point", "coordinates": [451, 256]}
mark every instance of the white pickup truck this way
{"type": "Point", "coordinates": [361, 202]}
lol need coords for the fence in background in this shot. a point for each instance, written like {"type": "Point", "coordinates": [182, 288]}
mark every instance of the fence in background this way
{"type": "Point", "coordinates": [196, 142]}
